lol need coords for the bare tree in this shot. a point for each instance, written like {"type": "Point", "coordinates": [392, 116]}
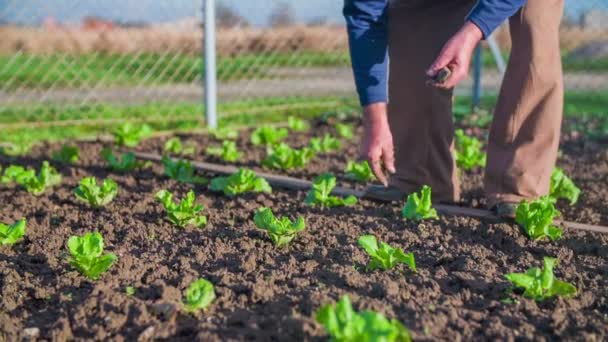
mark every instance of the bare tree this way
{"type": "Point", "coordinates": [227, 16]}
{"type": "Point", "coordinates": [282, 16]}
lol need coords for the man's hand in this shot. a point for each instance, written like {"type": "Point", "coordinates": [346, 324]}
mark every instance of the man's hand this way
{"type": "Point", "coordinates": [377, 146]}
{"type": "Point", "coordinates": [456, 55]}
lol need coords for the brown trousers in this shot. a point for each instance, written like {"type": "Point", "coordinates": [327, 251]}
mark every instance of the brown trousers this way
{"type": "Point", "coordinates": [524, 136]}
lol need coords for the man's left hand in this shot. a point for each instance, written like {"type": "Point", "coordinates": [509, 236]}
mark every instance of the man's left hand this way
{"type": "Point", "coordinates": [456, 55]}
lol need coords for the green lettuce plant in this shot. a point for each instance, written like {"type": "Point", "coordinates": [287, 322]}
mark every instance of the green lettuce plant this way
{"type": "Point", "coordinates": [184, 213]}
{"type": "Point", "coordinates": [384, 257]}
{"type": "Point", "coordinates": [16, 148]}
{"type": "Point", "coordinates": [320, 194]}
{"type": "Point", "coordinates": [297, 125]}
{"type": "Point", "coordinates": [16, 174]}
{"type": "Point", "coordinates": [345, 131]}
{"type": "Point", "coordinates": [175, 146]}
{"type": "Point", "coordinates": [228, 152]}
{"type": "Point", "coordinates": [182, 171]}
{"type": "Point", "coordinates": [324, 145]}
{"type": "Point", "coordinates": [536, 218]}
{"type": "Point", "coordinates": [268, 135]}
{"type": "Point", "coordinates": [129, 134]}
{"type": "Point", "coordinates": [199, 295]}
{"type": "Point", "coordinates": [281, 231]}
{"type": "Point", "coordinates": [224, 133]}
{"type": "Point", "coordinates": [240, 182]}
{"type": "Point", "coordinates": [561, 186]}
{"type": "Point", "coordinates": [359, 171]}
{"type": "Point", "coordinates": [419, 207]}
{"type": "Point", "coordinates": [468, 152]}
{"type": "Point", "coordinates": [343, 324]}
{"type": "Point", "coordinates": [67, 154]}
{"type": "Point", "coordinates": [86, 255]}
{"type": "Point", "coordinates": [124, 163]}
{"type": "Point", "coordinates": [37, 184]}
{"type": "Point", "coordinates": [10, 234]}
{"type": "Point", "coordinates": [96, 196]}
{"type": "Point", "coordinates": [541, 284]}
{"type": "Point", "coordinates": [283, 157]}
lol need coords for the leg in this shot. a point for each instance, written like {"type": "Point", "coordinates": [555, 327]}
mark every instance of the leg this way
{"type": "Point", "coordinates": [524, 137]}
{"type": "Point", "coordinates": [420, 116]}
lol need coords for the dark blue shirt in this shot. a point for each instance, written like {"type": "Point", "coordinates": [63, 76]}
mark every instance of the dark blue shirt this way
{"type": "Point", "coordinates": [367, 25]}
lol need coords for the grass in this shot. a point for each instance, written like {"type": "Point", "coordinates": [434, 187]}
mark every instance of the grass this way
{"type": "Point", "coordinates": [26, 124]}
{"type": "Point", "coordinates": [569, 64]}
{"type": "Point", "coordinates": [99, 69]}
{"type": "Point", "coordinates": [89, 70]}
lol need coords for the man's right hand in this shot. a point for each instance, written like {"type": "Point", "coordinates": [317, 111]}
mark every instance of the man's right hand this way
{"type": "Point", "coordinates": [377, 147]}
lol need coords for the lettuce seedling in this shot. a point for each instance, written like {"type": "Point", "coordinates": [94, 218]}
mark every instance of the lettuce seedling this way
{"type": "Point", "coordinates": [228, 152]}
{"type": "Point", "coordinates": [87, 255]}
{"type": "Point", "coordinates": [125, 163]}
{"type": "Point", "coordinates": [359, 171]}
{"type": "Point", "coordinates": [10, 234]}
{"type": "Point", "coordinates": [224, 133]}
{"type": "Point", "coordinates": [297, 125]}
{"type": "Point", "coordinates": [345, 131]}
{"type": "Point", "coordinates": [468, 152]}
{"type": "Point", "coordinates": [37, 184]}
{"type": "Point", "coordinates": [96, 196]}
{"type": "Point", "coordinates": [320, 194]}
{"type": "Point", "coordinates": [536, 218]}
{"type": "Point", "coordinates": [384, 257]}
{"type": "Point", "coordinates": [419, 207]}
{"type": "Point", "coordinates": [244, 180]}
{"type": "Point", "coordinates": [175, 146]}
{"type": "Point", "coordinates": [182, 171]}
{"type": "Point", "coordinates": [324, 145]}
{"type": "Point", "coordinates": [130, 135]}
{"type": "Point", "coordinates": [281, 231]}
{"type": "Point", "coordinates": [16, 174]}
{"type": "Point", "coordinates": [268, 135]}
{"type": "Point", "coordinates": [184, 213]}
{"type": "Point", "coordinates": [283, 157]}
{"type": "Point", "coordinates": [541, 284]}
{"type": "Point", "coordinates": [67, 154]}
{"type": "Point", "coordinates": [14, 149]}
{"type": "Point", "coordinates": [562, 186]}
{"type": "Point", "coordinates": [199, 295]}
{"type": "Point", "coordinates": [344, 324]}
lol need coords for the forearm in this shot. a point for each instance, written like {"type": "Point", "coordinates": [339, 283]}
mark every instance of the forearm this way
{"type": "Point", "coordinates": [367, 22]}
{"type": "Point", "coordinates": [487, 15]}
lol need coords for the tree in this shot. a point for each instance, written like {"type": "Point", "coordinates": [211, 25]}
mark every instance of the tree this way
{"type": "Point", "coordinates": [227, 16]}
{"type": "Point", "coordinates": [282, 16]}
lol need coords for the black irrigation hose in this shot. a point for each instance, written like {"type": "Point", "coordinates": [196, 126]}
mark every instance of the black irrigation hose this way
{"type": "Point", "coordinates": [301, 184]}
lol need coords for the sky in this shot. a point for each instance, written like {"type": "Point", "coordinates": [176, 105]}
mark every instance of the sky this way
{"type": "Point", "coordinates": [32, 12]}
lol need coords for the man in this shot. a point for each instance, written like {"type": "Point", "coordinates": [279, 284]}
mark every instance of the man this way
{"type": "Point", "coordinates": [411, 136]}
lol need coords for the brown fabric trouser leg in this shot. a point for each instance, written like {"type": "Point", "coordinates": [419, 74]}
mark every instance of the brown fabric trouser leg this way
{"type": "Point", "coordinates": [420, 116]}
{"type": "Point", "coordinates": [524, 137]}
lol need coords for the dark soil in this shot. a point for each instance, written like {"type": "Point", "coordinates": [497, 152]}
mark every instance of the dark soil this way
{"type": "Point", "coordinates": [271, 294]}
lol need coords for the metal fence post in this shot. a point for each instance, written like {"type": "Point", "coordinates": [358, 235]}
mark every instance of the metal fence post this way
{"type": "Point", "coordinates": [210, 65]}
{"type": "Point", "coordinates": [476, 76]}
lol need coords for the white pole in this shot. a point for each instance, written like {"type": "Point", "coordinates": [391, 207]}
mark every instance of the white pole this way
{"type": "Point", "coordinates": [500, 61]}
{"type": "Point", "coordinates": [210, 65]}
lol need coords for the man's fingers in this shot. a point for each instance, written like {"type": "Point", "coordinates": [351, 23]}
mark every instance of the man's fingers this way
{"type": "Point", "coordinates": [388, 158]}
{"type": "Point", "coordinates": [458, 74]}
{"type": "Point", "coordinates": [378, 172]}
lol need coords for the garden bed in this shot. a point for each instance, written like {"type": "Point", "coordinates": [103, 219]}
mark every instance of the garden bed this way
{"type": "Point", "coordinates": [265, 293]}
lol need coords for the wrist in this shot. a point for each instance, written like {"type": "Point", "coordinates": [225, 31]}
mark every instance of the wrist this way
{"type": "Point", "coordinates": [375, 113]}
{"type": "Point", "coordinates": [472, 32]}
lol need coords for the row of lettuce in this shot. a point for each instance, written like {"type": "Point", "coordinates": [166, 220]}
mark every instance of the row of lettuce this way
{"type": "Point", "coordinates": [340, 320]}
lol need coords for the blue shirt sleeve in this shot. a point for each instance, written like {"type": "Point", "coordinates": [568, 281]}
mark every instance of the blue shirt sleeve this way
{"type": "Point", "coordinates": [489, 14]}
{"type": "Point", "coordinates": [367, 24]}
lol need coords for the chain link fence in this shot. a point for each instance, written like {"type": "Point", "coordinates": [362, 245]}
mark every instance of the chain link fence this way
{"type": "Point", "coordinates": [86, 63]}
